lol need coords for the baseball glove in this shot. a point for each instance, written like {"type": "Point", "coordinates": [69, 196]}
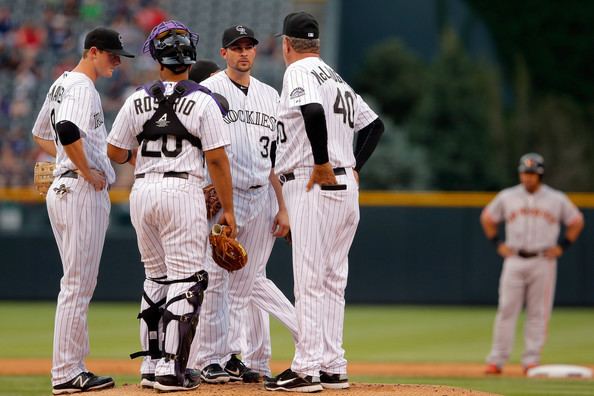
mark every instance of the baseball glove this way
{"type": "Point", "coordinates": [213, 205]}
{"type": "Point", "coordinates": [227, 252]}
{"type": "Point", "coordinates": [43, 176]}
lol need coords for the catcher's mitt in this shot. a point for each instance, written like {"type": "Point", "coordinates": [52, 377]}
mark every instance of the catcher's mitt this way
{"type": "Point", "coordinates": [227, 252]}
{"type": "Point", "coordinates": [213, 205]}
{"type": "Point", "coordinates": [43, 176]}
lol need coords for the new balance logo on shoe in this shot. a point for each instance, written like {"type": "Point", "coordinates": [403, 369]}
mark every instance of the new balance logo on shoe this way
{"type": "Point", "coordinates": [80, 381]}
{"type": "Point", "coordinates": [83, 382]}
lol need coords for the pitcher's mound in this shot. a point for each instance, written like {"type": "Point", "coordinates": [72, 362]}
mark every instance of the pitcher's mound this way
{"type": "Point", "coordinates": [258, 389]}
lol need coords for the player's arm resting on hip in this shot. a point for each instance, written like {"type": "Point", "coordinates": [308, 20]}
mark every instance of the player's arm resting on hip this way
{"type": "Point", "coordinates": [121, 155]}
{"type": "Point", "coordinates": [220, 174]}
{"type": "Point", "coordinates": [315, 128]}
{"type": "Point", "coordinates": [572, 232]}
{"type": "Point", "coordinates": [69, 136]}
{"type": "Point", "coordinates": [490, 230]}
{"type": "Point", "coordinates": [367, 140]}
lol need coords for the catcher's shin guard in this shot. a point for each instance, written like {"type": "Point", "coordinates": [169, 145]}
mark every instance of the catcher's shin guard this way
{"type": "Point", "coordinates": [152, 316]}
{"type": "Point", "coordinates": [187, 322]}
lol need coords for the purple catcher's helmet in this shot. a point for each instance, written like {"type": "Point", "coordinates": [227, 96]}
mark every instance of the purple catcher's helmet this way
{"type": "Point", "coordinates": [172, 44]}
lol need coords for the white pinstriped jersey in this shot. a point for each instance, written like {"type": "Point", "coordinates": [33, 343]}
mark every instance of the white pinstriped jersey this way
{"type": "Point", "coordinates": [197, 111]}
{"type": "Point", "coordinates": [73, 97]}
{"type": "Point", "coordinates": [532, 221]}
{"type": "Point", "coordinates": [310, 80]}
{"type": "Point", "coordinates": [252, 122]}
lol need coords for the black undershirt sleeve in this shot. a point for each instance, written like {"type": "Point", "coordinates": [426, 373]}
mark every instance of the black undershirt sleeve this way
{"type": "Point", "coordinates": [315, 127]}
{"type": "Point", "coordinates": [367, 139]}
{"type": "Point", "coordinates": [273, 153]}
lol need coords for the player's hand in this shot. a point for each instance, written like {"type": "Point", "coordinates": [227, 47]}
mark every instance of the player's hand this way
{"type": "Point", "coordinates": [322, 175]}
{"type": "Point", "coordinates": [96, 178]}
{"type": "Point", "coordinates": [504, 251]}
{"type": "Point", "coordinates": [280, 226]}
{"type": "Point", "coordinates": [356, 174]}
{"type": "Point", "coordinates": [554, 252]}
{"type": "Point", "coordinates": [228, 219]}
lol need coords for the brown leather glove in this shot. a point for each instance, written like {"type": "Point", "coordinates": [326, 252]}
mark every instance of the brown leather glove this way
{"type": "Point", "coordinates": [43, 176]}
{"type": "Point", "coordinates": [227, 252]}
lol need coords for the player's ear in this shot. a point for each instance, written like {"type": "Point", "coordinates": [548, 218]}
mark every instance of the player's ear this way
{"type": "Point", "coordinates": [223, 52]}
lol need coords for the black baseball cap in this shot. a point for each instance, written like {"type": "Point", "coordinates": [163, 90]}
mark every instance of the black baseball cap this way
{"type": "Point", "coordinates": [106, 40]}
{"type": "Point", "coordinates": [301, 25]}
{"type": "Point", "coordinates": [237, 32]}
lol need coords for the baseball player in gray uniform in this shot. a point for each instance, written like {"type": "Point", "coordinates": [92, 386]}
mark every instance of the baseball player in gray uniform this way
{"type": "Point", "coordinates": [315, 162]}
{"type": "Point", "coordinates": [532, 212]}
{"type": "Point", "coordinates": [172, 124]}
{"type": "Point", "coordinates": [70, 126]}
{"type": "Point", "coordinates": [261, 216]}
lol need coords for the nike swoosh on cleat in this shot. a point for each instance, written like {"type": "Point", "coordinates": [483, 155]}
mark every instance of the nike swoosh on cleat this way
{"type": "Point", "coordinates": [284, 382]}
{"type": "Point", "coordinates": [236, 372]}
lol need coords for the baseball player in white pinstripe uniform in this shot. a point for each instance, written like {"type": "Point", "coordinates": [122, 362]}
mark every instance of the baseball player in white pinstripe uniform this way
{"type": "Point", "coordinates": [319, 172]}
{"type": "Point", "coordinates": [70, 126]}
{"type": "Point", "coordinates": [226, 319]}
{"type": "Point", "coordinates": [172, 124]}
{"type": "Point", "coordinates": [532, 212]}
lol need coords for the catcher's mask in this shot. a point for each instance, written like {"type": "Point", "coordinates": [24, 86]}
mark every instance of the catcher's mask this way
{"type": "Point", "coordinates": [531, 163]}
{"type": "Point", "coordinates": [173, 45]}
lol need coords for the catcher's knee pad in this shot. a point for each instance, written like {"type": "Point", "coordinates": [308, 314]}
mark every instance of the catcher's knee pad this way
{"type": "Point", "coordinates": [187, 322]}
{"type": "Point", "coordinates": [152, 316]}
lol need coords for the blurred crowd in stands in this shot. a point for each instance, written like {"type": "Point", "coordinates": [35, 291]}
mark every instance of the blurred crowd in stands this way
{"type": "Point", "coordinates": [35, 51]}
{"type": "Point", "coordinates": [41, 39]}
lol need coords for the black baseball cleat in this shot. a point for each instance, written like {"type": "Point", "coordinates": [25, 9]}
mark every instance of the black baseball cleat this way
{"type": "Point", "coordinates": [147, 381]}
{"type": "Point", "coordinates": [240, 372]}
{"type": "Point", "coordinates": [214, 374]}
{"type": "Point", "coordinates": [334, 381]}
{"type": "Point", "coordinates": [83, 382]}
{"type": "Point", "coordinates": [290, 381]}
{"type": "Point", "coordinates": [170, 383]}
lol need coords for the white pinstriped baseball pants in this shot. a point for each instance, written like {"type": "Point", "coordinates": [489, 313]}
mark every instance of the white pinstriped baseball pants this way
{"type": "Point", "coordinates": [169, 216]}
{"type": "Point", "coordinates": [229, 295]}
{"type": "Point", "coordinates": [79, 220]}
{"type": "Point", "coordinates": [323, 225]}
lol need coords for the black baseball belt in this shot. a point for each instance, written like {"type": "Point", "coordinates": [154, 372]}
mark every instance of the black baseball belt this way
{"type": "Point", "coordinates": [285, 177]}
{"type": "Point", "coordinates": [528, 254]}
{"type": "Point", "coordinates": [180, 175]}
{"type": "Point", "coordinates": [70, 174]}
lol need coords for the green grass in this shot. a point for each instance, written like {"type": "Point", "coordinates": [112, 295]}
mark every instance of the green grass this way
{"type": "Point", "coordinates": [372, 333]}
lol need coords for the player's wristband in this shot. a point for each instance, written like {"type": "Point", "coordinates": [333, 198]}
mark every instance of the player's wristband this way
{"type": "Point", "coordinates": [565, 244]}
{"type": "Point", "coordinates": [496, 241]}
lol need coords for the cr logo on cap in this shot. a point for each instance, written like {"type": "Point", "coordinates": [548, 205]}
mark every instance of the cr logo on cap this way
{"type": "Point", "coordinates": [241, 29]}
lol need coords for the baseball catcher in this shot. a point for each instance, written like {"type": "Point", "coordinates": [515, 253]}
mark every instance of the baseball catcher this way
{"type": "Point", "coordinates": [226, 251]}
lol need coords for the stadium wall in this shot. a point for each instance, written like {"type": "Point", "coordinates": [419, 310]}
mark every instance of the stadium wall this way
{"type": "Point", "coordinates": [417, 248]}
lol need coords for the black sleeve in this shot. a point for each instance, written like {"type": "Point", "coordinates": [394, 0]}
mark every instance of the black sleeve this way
{"type": "Point", "coordinates": [367, 139]}
{"type": "Point", "coordinates": [315, 127]}
{"type": "Point", "coordinates": [68, 132]}
{"type": "Point", "coordinates": [273, 153]}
